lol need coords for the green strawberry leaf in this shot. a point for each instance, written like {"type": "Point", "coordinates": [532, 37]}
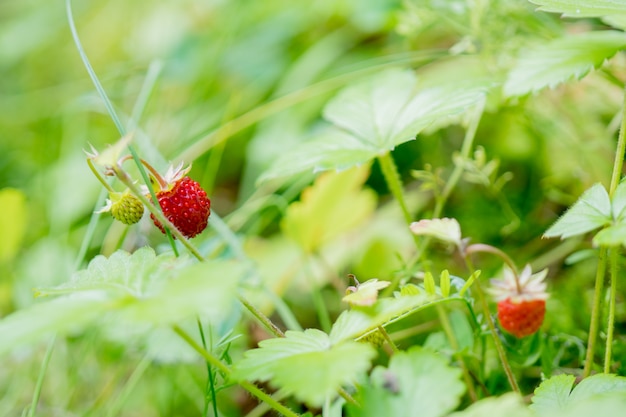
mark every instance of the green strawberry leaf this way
{"type": "Point", "coordinates": [591, 211]}
{"type": "Point", "coordinates": [614, 235]}
{"type": "Point", "coordinates": [582, 8]}
{"type": "Point", "coordinates": [322, 367]}
{"type": "Point", "coordinates": [555, 62]}
{"type": "Point", "coordinates": [356, 322]}
{"type": "Point", "coordinates": [417, 377]}
{"type": "Point", "coordinates": [207, 289]}
{"type": "Point", "coordinates": [365, 294]}
{"type": "Point", "coordinates": [61, 315]}
{"type": "Point", "coordinates": [373, 117]}
{"type": "Point", "coordinates": [555, 395]}
{"type": "Point", "coordinates": [121, 273]}
{"type": "Point", "coordinates": [618, 203]}
{"type": "Point", "coordinates": [158, 289]}
{"type": "Point", "coordinates": [334, 204]}
{"type": "Point", "coordinates": [509, 405]}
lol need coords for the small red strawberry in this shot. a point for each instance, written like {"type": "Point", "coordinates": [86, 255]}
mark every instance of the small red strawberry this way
{"type": "Point", "coordinates": [183, 202]}
{"type": "Point", "coordinates": [521, 301]}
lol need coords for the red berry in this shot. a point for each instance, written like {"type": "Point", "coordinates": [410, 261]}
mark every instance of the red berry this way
{"type": "Point", "coordinates": [521, 318]}
{"type": "Point", "coordinates": [186, 205]}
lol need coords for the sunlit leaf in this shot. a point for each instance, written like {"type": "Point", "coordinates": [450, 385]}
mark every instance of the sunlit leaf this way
{"type": "Point", "coordinates": [555, 62]}
{"type": "Point", "coordinates": [447, 230]}
{"type": "Point", "coordinates": [12, 222]}
{"type": "Point", "coordinates": [417, 377]}
{"type": "Point", "coordinates": [206, 289]}
{"type": "Point", "coordinates": [158, 289]}
{"type": "Point", "coordinates": [121, 272]}
{"type": "Point", "coordinates": [509, 405]}
{"type": "Point", "coordinates": [614, 235]}
{"type": "Point", "coordinates": [335, 204]}
{"type": "Point", "coordinates": [618, 202]}
{"type": "Point", "coordinates": [375, 116]}
{"type": "Point", "coordinates": [355, 322]}
{"type": "Point", "coordinates": [365, 294]}
{"type": "Point", "coordinates": [306, 364]}
{"type": "Point", "coordinates": [555, 395]}
{"type": "Point", "coordinates": [591, 211]}
{"type": "Point", "coordinates": [582, 8]}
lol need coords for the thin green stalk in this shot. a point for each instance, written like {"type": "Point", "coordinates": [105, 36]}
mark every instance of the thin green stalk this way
{"type": "Point", "coordinates": [132, 382]}
{"type": "Point", "coordinates": [614, 262]}
{"type": "Point", "coordinates": [209, 388]}
{"type": "Point", "coordinates": [394, 183]}
{"type": "Point", "coordinates": [316, 295]}
{"type": "Point", "coordinates": [251, 388]}
{"type": "Point", "coordinates": [387, 338]}
{"type": "Point", "coordinates": [466, 150]}
{"type": "Point", "coordinates": [492, 328]}
{"type": "Point", "coordinates": [42, 373]}
{"type": "Point", "coordinates": [602, 259]}
{"type": "Point", "coordinates": [261, 317]}
{"type": "Point", "coordinates": [595, 312]}
{"type": "Point", "coordinates": [454, 344]}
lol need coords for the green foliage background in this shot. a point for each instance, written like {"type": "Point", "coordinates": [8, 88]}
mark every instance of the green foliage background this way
{"type": "Point", "coordinates": [234, 85]}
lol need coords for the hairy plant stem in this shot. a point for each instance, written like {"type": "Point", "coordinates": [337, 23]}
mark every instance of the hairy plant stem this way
{"type": "Point", "coordinates": [595, 312]}
{"type": "Point", "coordinates": [602, 263]}
{"type": "Point", "coordinates": [614, 263]}
{"type": "Point", "coordinates": [251, 388]}
{"type": "Point", "coordinates": [492, 328]}
{"type": "Point", "coordinates": [454, 344]}
{"type": "Point", "coordinates": [387, 338]}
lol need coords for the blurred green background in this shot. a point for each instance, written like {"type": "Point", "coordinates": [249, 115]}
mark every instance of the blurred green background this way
{"type": "Point", "coordinates": [178, 71]}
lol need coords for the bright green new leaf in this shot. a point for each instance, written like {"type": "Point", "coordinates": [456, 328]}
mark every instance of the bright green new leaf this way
{"type": "Point", "coordinates": [555, 395]}
{"type": "Point", "coordinates": [61, 315]}
{"type": "Point", "coordinates": [552, 63]}
{"type": "Point", "coordinates": [509, 405]}
{"type": "Point", "coordinates": [591, 211]}
{"type": "Point", "coordinates": [306, 364]}
{"type": "Point", "coordinates": [582, 8]}
{"type": "Point", "coordinates": [375, 116]}
{"type": "Point", "coordinates": [12, 222]}
{"type": "Point", "coordinates": [336, 203]}
{"type": "Point", "coordinates": [353, 323]}
{"type": "Point", "coordinates": [365, 294]}
{"type": "Point", "coordinates": [418, 383]}
{"type": "Point", "coordinates": [446, 230]}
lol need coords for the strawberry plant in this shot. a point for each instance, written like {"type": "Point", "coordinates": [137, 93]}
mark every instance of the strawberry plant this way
{"type": "Point", "coordinates": [395, 208]}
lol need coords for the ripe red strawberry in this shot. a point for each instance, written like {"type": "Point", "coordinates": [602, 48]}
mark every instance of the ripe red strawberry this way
{"type": "Point", "coordinates": [521, 301]}
{"type": "Point", "coordinates": [183, 202]}
{"type": "Point", "coordinates": [523, 318]}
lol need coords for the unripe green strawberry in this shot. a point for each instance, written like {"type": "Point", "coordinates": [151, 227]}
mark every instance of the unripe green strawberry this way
{"type": "Point", "coordinates": [127, 209]}
{"type": "Point", "coordinates": [374, 338]}
{"type": "Point", "coordinates": [124, 207]}
{"type": "Point", "coordinates": [521, 301]}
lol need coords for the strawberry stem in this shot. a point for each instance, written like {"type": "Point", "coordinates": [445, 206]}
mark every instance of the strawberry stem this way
{"type": "Point", "coordinates": [99, 177]}
{"type": "Point", "coordinates": [484, 248]}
